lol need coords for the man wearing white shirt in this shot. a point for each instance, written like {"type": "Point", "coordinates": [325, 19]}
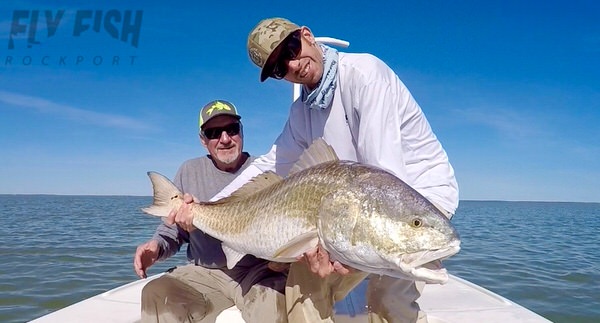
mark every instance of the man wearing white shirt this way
{"type": "Point", "coordinates": [362, 109]}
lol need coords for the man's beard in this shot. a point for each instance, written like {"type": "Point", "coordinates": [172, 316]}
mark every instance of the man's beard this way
{"type": "Point", "coordinates": [229, 158]}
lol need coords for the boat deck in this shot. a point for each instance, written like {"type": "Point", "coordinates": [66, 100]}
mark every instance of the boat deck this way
{"type": "Point", "coordinates": [458, 301]}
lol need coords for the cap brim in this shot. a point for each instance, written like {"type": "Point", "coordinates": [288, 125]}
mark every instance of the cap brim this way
{"type": "Point", "coordinates": [267, 70]}
{"type": "Point", "coordinates": [263, 76]}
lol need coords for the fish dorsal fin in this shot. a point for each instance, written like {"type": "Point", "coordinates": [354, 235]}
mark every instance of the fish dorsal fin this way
{"type": "Point", "coordinates": [233, 256]}
{"type": "Point", "coordinates": [298, 246]}
{"type": "Point", "coordinates": [317, 153]}
{"type": "Point", "coordinates": [256, 184]}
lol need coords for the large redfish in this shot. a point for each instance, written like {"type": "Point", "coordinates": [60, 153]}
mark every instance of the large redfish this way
{"type": "Point", "coordinates": [363, 216]}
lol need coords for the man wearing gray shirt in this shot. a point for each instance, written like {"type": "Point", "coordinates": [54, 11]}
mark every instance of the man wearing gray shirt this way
{"type": "Point", "coordinates": [199, 291]}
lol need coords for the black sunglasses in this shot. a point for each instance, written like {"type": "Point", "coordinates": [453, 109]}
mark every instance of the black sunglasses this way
{"type": "Point", "coordinates": [215, 133]}
{"type": "Point", "coordinates": [290, 49]}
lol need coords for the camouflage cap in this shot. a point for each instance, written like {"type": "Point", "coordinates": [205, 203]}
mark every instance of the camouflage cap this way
{"type": "Point", "coordinates": [217, 108]}
{"type": "Point", "coordinates": [264, 38]}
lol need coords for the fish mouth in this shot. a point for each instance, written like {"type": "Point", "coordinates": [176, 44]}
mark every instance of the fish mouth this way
{"type": "Point", "coordinates": [427, 265]}
{"type": "Point", "coordinates": [418, 259]}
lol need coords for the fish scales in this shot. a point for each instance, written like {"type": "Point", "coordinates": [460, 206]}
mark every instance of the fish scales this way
{"type": "Point", "coordinates": [363, 216]}
{"type": "Point", "coordinates": [296, 198]}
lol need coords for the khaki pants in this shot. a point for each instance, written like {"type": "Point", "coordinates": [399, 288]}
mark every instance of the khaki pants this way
{"type": "Point", "coordinates": [310, 298]}
{"type": "Point", "coordinates": [394, 300]}
{"type": "Point", "coordinates": [196, 294]}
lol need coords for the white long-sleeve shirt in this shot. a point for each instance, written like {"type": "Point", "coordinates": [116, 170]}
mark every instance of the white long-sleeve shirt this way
{"type": "Point", "coordinates": [389, 130]}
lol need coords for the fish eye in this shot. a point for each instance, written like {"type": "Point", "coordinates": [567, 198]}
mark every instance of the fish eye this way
{"type": "Point", "coordinates": [417, 223]}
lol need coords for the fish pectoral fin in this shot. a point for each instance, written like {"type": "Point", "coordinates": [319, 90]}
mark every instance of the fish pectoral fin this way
{"type": "Point", "coordinates": [233, 256]}
{"type": "Point", "coordinates": [298, 246]}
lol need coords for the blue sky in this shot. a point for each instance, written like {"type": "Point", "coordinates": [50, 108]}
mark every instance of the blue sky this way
{"type": "Point", "coordinates": [511, 89]}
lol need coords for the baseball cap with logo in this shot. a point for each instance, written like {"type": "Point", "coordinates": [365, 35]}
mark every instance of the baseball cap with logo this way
{"type": "Point", "coordinates": [263, 40]}
{"type": "Point", "coordinates": [217, 108]}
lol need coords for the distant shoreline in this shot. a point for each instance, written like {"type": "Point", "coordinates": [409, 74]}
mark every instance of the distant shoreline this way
{"type": "Point", "coordinates": [148, 196]}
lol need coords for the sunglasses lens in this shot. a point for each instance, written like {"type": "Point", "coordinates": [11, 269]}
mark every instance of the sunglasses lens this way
{"type": "Point", "coordinates": [211, 133]}
{"type": "Point", "coordinates": [290, 50]}
{"type": "Point", "coordinates": [215, 133]}
{"type": "Point", "coordinates": [294, 46]}
{"type": "Point", "coordinates": [280, 70]}
{"type": "Point", "coordinates": [233, 129]}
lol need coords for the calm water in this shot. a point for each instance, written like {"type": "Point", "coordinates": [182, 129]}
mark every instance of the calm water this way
{"type": "Point", "coordinates": [57, 250]}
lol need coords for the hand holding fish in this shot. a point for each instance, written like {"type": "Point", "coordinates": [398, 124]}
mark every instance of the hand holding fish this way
{"type": "Point", "coordinates": [319, 263]}
{"type": "Point", "coordinates": [183, 216]}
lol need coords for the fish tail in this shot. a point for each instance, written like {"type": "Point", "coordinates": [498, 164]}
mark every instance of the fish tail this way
{"type": "Point", "coordinates": [165, 195]}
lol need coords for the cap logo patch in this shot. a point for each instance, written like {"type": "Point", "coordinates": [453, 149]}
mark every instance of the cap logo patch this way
{"type": "Point", "coordinates": [217, 106]}
{"type": "Point", "coordinates": [255, 56]}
